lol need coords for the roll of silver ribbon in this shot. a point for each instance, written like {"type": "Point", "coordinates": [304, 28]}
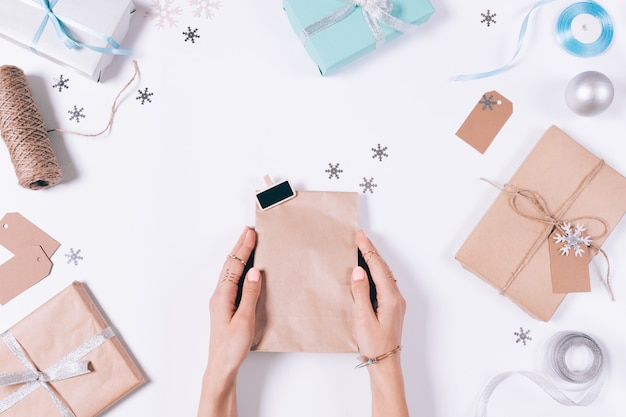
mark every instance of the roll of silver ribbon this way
{"type": "Point", "coordinates": [588, 379]}
{"type": "Point", "coordinates": [564, 345]}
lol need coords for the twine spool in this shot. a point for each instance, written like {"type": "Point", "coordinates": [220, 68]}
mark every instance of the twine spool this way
{"type": "Point", "coordinates": [23, 131]}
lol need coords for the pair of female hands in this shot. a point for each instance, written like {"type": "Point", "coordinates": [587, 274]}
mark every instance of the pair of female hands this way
{"type": "Point", "coordinates": [232, 328]}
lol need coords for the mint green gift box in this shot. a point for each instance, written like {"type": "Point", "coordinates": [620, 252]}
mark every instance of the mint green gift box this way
{"type": "Point", "coordinates": [351, 37]}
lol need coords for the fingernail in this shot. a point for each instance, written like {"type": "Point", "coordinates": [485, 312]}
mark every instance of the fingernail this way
{"type": "Point", "coordinates": [358, 274]}
{"type": "Point", "coordinates": [254, 275]}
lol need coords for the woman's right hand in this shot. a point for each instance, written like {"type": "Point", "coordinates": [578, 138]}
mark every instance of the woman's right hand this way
{"type": "Point", "coordinates": [379, 332]}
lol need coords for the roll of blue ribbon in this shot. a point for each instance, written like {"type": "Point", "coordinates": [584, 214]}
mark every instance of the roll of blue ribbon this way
{"type": "Point", "coordinates": [566, 37]}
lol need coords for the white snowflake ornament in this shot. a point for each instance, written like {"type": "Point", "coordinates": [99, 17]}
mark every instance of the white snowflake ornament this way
{"type": "Point", "coordinates": [572, 239]}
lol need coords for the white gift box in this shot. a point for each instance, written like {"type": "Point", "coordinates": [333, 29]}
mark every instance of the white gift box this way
{"type": "Point", "coordinates": [95, 29]}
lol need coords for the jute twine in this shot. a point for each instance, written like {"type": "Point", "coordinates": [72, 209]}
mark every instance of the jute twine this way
{"type": "Point", "coordinates": [23, 131]}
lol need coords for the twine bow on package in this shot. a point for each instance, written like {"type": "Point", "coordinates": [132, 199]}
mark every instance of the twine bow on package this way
{"type": "Point", "coordinates": [536, 240]}
{"type": "Point", "coordinates": [306, 250]}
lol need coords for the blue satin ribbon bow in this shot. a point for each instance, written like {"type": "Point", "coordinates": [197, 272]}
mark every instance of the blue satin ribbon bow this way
{"type": "Point", "coordinates": [60, 26]}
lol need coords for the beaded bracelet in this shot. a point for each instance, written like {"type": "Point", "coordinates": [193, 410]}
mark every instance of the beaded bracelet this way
{"type": "Point", "coordinates": [370, 361]}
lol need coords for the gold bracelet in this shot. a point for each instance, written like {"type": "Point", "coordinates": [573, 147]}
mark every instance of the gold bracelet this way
{"type": "Point", "coordinates": [370, 361]}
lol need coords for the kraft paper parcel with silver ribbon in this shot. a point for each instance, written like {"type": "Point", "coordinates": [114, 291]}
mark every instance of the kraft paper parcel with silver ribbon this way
{"type": "Point", "coordinates": [60, 327]}
{"type": "Point", "coordinates": [306, 250]}
{"type": "Point", "coordinates": [510, 251]}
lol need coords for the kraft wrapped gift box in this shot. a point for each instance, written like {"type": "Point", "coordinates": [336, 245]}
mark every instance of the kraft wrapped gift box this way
{"type": "Point", "coordinates": [49, 334]}
{"type": "Point", "coordinates": [90, 22]}
{"type": "Point", "coordinates": [351, 37]}
{"type": "Point", "coordinates": [510, 251]}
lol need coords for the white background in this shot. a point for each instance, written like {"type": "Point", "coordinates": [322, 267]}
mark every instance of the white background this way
{"type": "Point", "coordinates": [156, 204]}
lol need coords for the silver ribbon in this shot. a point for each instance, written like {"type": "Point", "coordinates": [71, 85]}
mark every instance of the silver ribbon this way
{"type": "Point", "coordinates": [375, 12]}
{"type": "Point", "coordinates": [31, 379]}
{"type": "Point", "coordinates": [593, 375]}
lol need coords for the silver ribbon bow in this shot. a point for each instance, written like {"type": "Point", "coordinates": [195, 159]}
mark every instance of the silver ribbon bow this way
{"type": "Point", "coordinates": [375, 12]}
{"type": "Point", "coordinates": [31, 379]}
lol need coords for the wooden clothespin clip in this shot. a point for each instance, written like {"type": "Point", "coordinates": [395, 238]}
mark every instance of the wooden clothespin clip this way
{"type": "Point", "coordinates": [274, 194]}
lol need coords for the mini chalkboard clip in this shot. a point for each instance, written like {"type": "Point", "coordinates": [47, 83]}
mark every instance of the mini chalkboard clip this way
{"type": "Point", "coordinates": [274, 194]}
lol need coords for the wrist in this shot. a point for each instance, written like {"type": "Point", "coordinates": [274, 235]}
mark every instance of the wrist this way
{"type": "Point", "coordinates": [387, 385]}
{"type": "Point", "coordinates": [218, 397]}
{"type": "Point", "coordinates": [219, 378]}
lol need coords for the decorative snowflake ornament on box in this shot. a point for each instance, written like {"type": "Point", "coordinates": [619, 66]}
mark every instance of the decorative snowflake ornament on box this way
{"type": "Point", "coordinates": [572, 239]}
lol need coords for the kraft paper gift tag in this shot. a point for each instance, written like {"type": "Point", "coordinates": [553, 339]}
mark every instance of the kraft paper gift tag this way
{"type": "Point", "coordinates": [306, 250]}
{"type": "Point", "coordinates": [569, 260]}
{"type": "Point", "coordinates": [32, 249]}
{"type": "Point", "coordinates": [485, 120]}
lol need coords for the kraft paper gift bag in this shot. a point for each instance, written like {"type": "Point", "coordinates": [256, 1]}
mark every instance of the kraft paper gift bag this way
{"type": "Point", "coordinates": [509, 248]}
{"type": "Point", "coordinates": [306, 250]}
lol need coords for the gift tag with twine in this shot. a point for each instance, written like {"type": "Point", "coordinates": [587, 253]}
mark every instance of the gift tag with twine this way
{"type": "Point", "coordinates": [569, 258]}
{"type": "Point", "coordinates": [485, 121]}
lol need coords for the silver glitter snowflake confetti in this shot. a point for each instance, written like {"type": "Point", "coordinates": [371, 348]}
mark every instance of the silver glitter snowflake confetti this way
{"type": "Point", "coordinates": [76, 114]}
{"type": "Point", "coordinates": [572, 239]}
{"type": "Point", "coordinates": [488, 18]}
{"type": "Point", "coordinates": [333, 171]}
{"type": "Point", "coordinates": [144, 96]}
{"type": "Point", "coordinates": [488, 102]}
{"type": "Point", "coordinates": [191, 34]}
{"type": "Point", "coordinates": [368, 185]}
{"type": "Point", "coordinates": [522, 336]}
{"type": "Point", "coordinates": [73, 256]}
{"type": "Point", "coordinates": [379, 152]}
{"type": "Point", "coordinates": [61, 83]}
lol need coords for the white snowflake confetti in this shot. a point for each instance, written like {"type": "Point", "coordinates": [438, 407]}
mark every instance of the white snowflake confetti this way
{"type": "Point", "coordinates": [333, 171]}
{"type": "Point", "coordinates": [191, 34]}
{"type": "Point", "coordinates": [379, 152]}
{"type": "Point", "coordinates": [60, 83]}
{"type": "Point", "coordinates": [572, 239]}
{"type": "Point", "coordinates": [76, 114]}
{"type": "Point", "coordinates": [73, 256]}
{"type": "Point", "coordinates": [488, 18]}
{"type": "Point", "coordinates": [144, 96]}
{"type": "Point", "coordinates": [164, 13]}
{"type": "Point", "coordinates": [368, 185]}
{"type": "Point", "coordinates": [522, 336]}
{"type": "Point", "coordinates": [205, 8]}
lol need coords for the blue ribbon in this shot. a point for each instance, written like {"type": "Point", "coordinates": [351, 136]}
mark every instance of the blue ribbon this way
{"type": "Point", "coordinates": [60, 26]}
{"type": "Point", "coordinates": [574, 46]}
{"type": "Point", "coordinates": [588, 7]}
{"type": "Point", "coordinates": [520, 41]}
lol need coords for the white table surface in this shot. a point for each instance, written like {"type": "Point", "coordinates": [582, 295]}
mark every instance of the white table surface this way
{"type": "Point", "coordinates": [156, 204]}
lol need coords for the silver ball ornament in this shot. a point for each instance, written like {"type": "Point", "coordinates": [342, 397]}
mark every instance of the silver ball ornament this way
{"type": "Point", "coordinates": [589, 93]}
